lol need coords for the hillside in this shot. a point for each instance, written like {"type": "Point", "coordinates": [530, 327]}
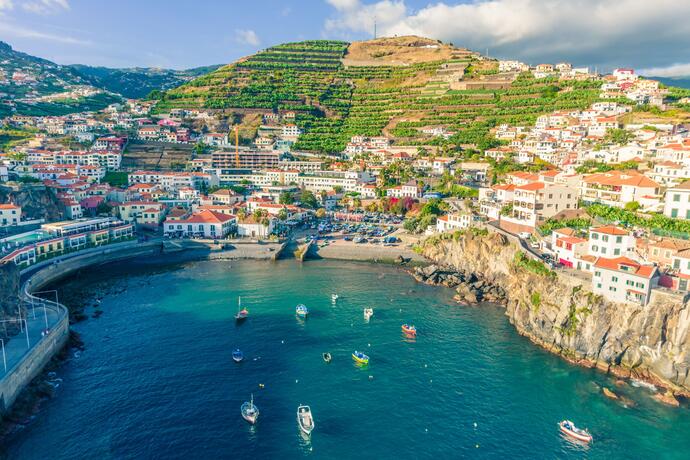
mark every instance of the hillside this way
{"type": "Point", "coordinates": [30, 85]}
{"type": "Point", "coordinates": [392, 86]}
{"type": "Point", "coordinates": [135, 83]}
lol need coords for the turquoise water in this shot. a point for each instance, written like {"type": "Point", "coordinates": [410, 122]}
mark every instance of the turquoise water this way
{"type": "Point", "coordinates": [157, 379]}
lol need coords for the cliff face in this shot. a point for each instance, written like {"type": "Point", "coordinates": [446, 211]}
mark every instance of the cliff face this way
{"type": "Point", "coordinates": [37, 201]}
{"type": "Point", "coordinates": [9, 291]}
{"type": "Point", "coordinates": [562, 314]}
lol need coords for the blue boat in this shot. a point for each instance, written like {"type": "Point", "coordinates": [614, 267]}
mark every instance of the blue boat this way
{"type": "Point", "coordinates": [237, 355]}
{"type": "Point", "coordinates": [360, 357]}
{"type": "Point", "coordinates": [301, 310]}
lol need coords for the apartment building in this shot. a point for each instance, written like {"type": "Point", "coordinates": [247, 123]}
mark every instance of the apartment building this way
{"type": "Point", "coordinates": [616, 188]}
{"type": "Point", "coordinates": [10, 215]}
{"type": "Point", "coordinates": [535, 202]}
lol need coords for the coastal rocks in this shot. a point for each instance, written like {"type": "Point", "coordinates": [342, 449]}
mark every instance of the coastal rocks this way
{"type": "Point", "coordinates": [608, 393]}
{"type": "Point", "coordinates": [469, 287]}
{"type": "Point", "coordinates": [560, 313]}
{"type": "Point", "coordinates": [667, 398]}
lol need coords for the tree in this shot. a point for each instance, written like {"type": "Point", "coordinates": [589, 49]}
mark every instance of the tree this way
{"type": "Point", "coordinates": [618, 136]}
{"type": "Point", "coordinates": [200, 148]}
{"type": "Point", "coordinates": [632, 206]}
{"type": "Point", "coordinates": [103, 208]}
{"type": "Point", "coordinates": [320, 213]}
{"type": "Point", "coordinates": [286, 198]}
{"type": "Point", "coordinates": [308, 199]}
{"type": "Point", "coordinates": [242, 214]}
{"type": "Point", "coordinates": [283, 214]}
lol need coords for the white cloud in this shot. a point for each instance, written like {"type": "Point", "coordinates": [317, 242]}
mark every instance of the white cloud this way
{"type": "Point", "coordinates": [674, 70]}
{"type": "Point", "coordinates": [596, 32]}
{"type": "Point", "coordinates": [6, 5]}
{"type": "Point", "coordinates": [247, 37]}
{"type": "Point", "coordinates": [46, 6]}
{"type": "Point", "coordinates": [15, 31]}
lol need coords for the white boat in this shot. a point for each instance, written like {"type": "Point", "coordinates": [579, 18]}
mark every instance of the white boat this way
{"type": "Point", "coordinates": [249, 411]}
{"type": "Point", "coordinates": [305, 420]}
{"type": "Point", "coordinates": [569, 429]}
{"type": "Point", "coordinates": [301, 310]}
{"type": "Point", "coordinates": [334, 297]}
{"type": "Point", "coordinates": [368, 312]}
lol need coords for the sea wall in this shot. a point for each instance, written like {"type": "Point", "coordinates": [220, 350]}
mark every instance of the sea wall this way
{"type": "Point", "coordinates": [561, 314]}
{"type": "Point", "coordinates": [34, 278]}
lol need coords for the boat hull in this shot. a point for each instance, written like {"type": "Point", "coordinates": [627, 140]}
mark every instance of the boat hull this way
{"type": "Point", "coordinates": [583, 437]}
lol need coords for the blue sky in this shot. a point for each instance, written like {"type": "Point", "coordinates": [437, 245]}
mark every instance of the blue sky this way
{"type": "Point", "coordinates": [182, 34]}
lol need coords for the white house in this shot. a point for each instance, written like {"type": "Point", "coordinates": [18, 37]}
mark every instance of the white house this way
{"type": "Point", "coordinates": [453, 221]}
{"type": "Point", "coordinates": [677, 201]}
{"type": "Point", "coordinates": [10, 215]}
{"type": "Point", "coordinates": [408, 190]}
{"type": "Point", "coordinates": [250, 228]}
{"type": "Point", "coordinates": [568, 247]}
{"type": "Point", "coordinates": [209, 224]}
{"type": "Point", "coordinates": [622, 279]}
{"type": "Point", "coordinates": [610, 241]}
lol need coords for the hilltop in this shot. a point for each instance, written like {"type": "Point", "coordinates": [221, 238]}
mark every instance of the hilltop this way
{"type": "Point", "coordinates": [391, 86]}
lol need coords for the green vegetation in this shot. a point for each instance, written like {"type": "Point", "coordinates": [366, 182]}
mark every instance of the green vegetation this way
{"type": "Point", "coordinates": [521, 261]}
{"type": "Point", "coordinates": [648, 221]}
{"type": "Point", "coordinates": [593, 166]}
{"type": "Point", "coordinates": [334, 102]}
{"type": "Point", "coordinates": [426, 216]}
{"type": "Point", "coordinates": [552, 224]}
{"type": "Point", "coordinates": [10, 138]}
{"type": "Point", "coordinates": [116, 178]}
{"type": "Point", "coordinates": [308, 200]}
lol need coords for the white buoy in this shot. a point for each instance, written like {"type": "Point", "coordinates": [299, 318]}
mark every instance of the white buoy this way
{"type": "Point", "coordinates": [296, 381]}
{"type": "Point", "coordinates": [282, 341]}
{"type": "Point", "coordinates": [425, 365]}
{"type": "Point", "coordinates": [475, 424]}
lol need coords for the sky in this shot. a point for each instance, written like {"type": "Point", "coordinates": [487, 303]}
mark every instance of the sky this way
{"type": "Point", "coordinates": [651, 36]}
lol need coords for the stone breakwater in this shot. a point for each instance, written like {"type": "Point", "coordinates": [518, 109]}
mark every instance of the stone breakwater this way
{"type": "Point", "coordinates": [561, 314]}
{"type": "Point", "coordinates": [469, 287]}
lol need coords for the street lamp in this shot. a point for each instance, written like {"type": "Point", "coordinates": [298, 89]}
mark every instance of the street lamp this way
{"type": "Point", "coordinates": [4, 358]}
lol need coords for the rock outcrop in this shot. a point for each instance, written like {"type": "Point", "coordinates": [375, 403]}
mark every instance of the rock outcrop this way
{"type": "Point", "coordinates": [560, 313]}
{"type": "Point", "coordinates": [37, 201]}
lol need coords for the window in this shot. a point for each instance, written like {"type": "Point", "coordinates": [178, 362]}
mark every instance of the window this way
{"type": "Point", "coordinates": [599, 285]}
{"type": "Point", "coordinates": [676, 263]}
{"type": "Point", "coordinates": [603, 250]}
{"type": "Point", "coordinates": [616, 252]}
{"type": "Point", "coordinates": [595, 236]}
{"type": "Point", "coordinates": [612, 289]}
{"type": "Point", "coordinates": [629, 282]}
{"type": "Point", "coordinates": [676, 197]}
{"type": "Point", "coordinates": [595, 248]}
{"type": "Point", "coordinates": [614, 279]}
{"type": "Point", "coordinates": [619, 239]}
{"type": "Point", "coordinates": [605, 238]}
{"type": "Point", "coordinates": [639, 285]}
{"type": "Point", "coordinates": [655, 251]}
{"type": "Point", "coordinates": [687, 213]}
{"type": "Point", "coordinates": [674, 213]}
{"type": "Point", "coordinates": [597, 273]}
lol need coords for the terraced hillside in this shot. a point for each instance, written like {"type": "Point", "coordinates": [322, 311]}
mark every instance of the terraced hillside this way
{"type": "Point", "coordinates": [394, 86]}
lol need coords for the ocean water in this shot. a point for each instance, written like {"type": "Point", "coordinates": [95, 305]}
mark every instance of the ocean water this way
{"type": "Point", "coordinates": [157, 379]}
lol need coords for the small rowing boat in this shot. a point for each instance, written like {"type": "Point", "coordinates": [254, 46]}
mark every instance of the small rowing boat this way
{"type": "Point", "coordinates": [368, 313]}
{"type": "Point", "coordinates": [360, 357]}
{"type": "Point", "coordinates": [301, 310]}
{"type": "Point", "coordinates": [305, 420]}
{"type": "Point", "coordinates": [569, 429]}
{"type": "Point", "coordinates": [409, 329]}
{"type": "Point", "coordinates": [327, 357]}
{"type": "Point", "coordinates": [249, 411]}
{"type": "Point", "coordinates": [237, 355]}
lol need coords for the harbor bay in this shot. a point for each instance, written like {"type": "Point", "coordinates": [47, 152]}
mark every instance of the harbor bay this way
{"type": "Point", "coordinates": [157, 380]}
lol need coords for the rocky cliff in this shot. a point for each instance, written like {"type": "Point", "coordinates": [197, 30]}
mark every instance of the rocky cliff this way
{"type": "Point", "coordinates": [9, 295]}
{"type": "Point", "coordinates": [37, 201]}
{"type": "Point", "coordinates": [560, 313]}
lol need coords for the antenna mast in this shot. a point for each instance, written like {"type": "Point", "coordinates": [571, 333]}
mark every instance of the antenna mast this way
{"type": "Point", "coordinates": [374, 27]}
